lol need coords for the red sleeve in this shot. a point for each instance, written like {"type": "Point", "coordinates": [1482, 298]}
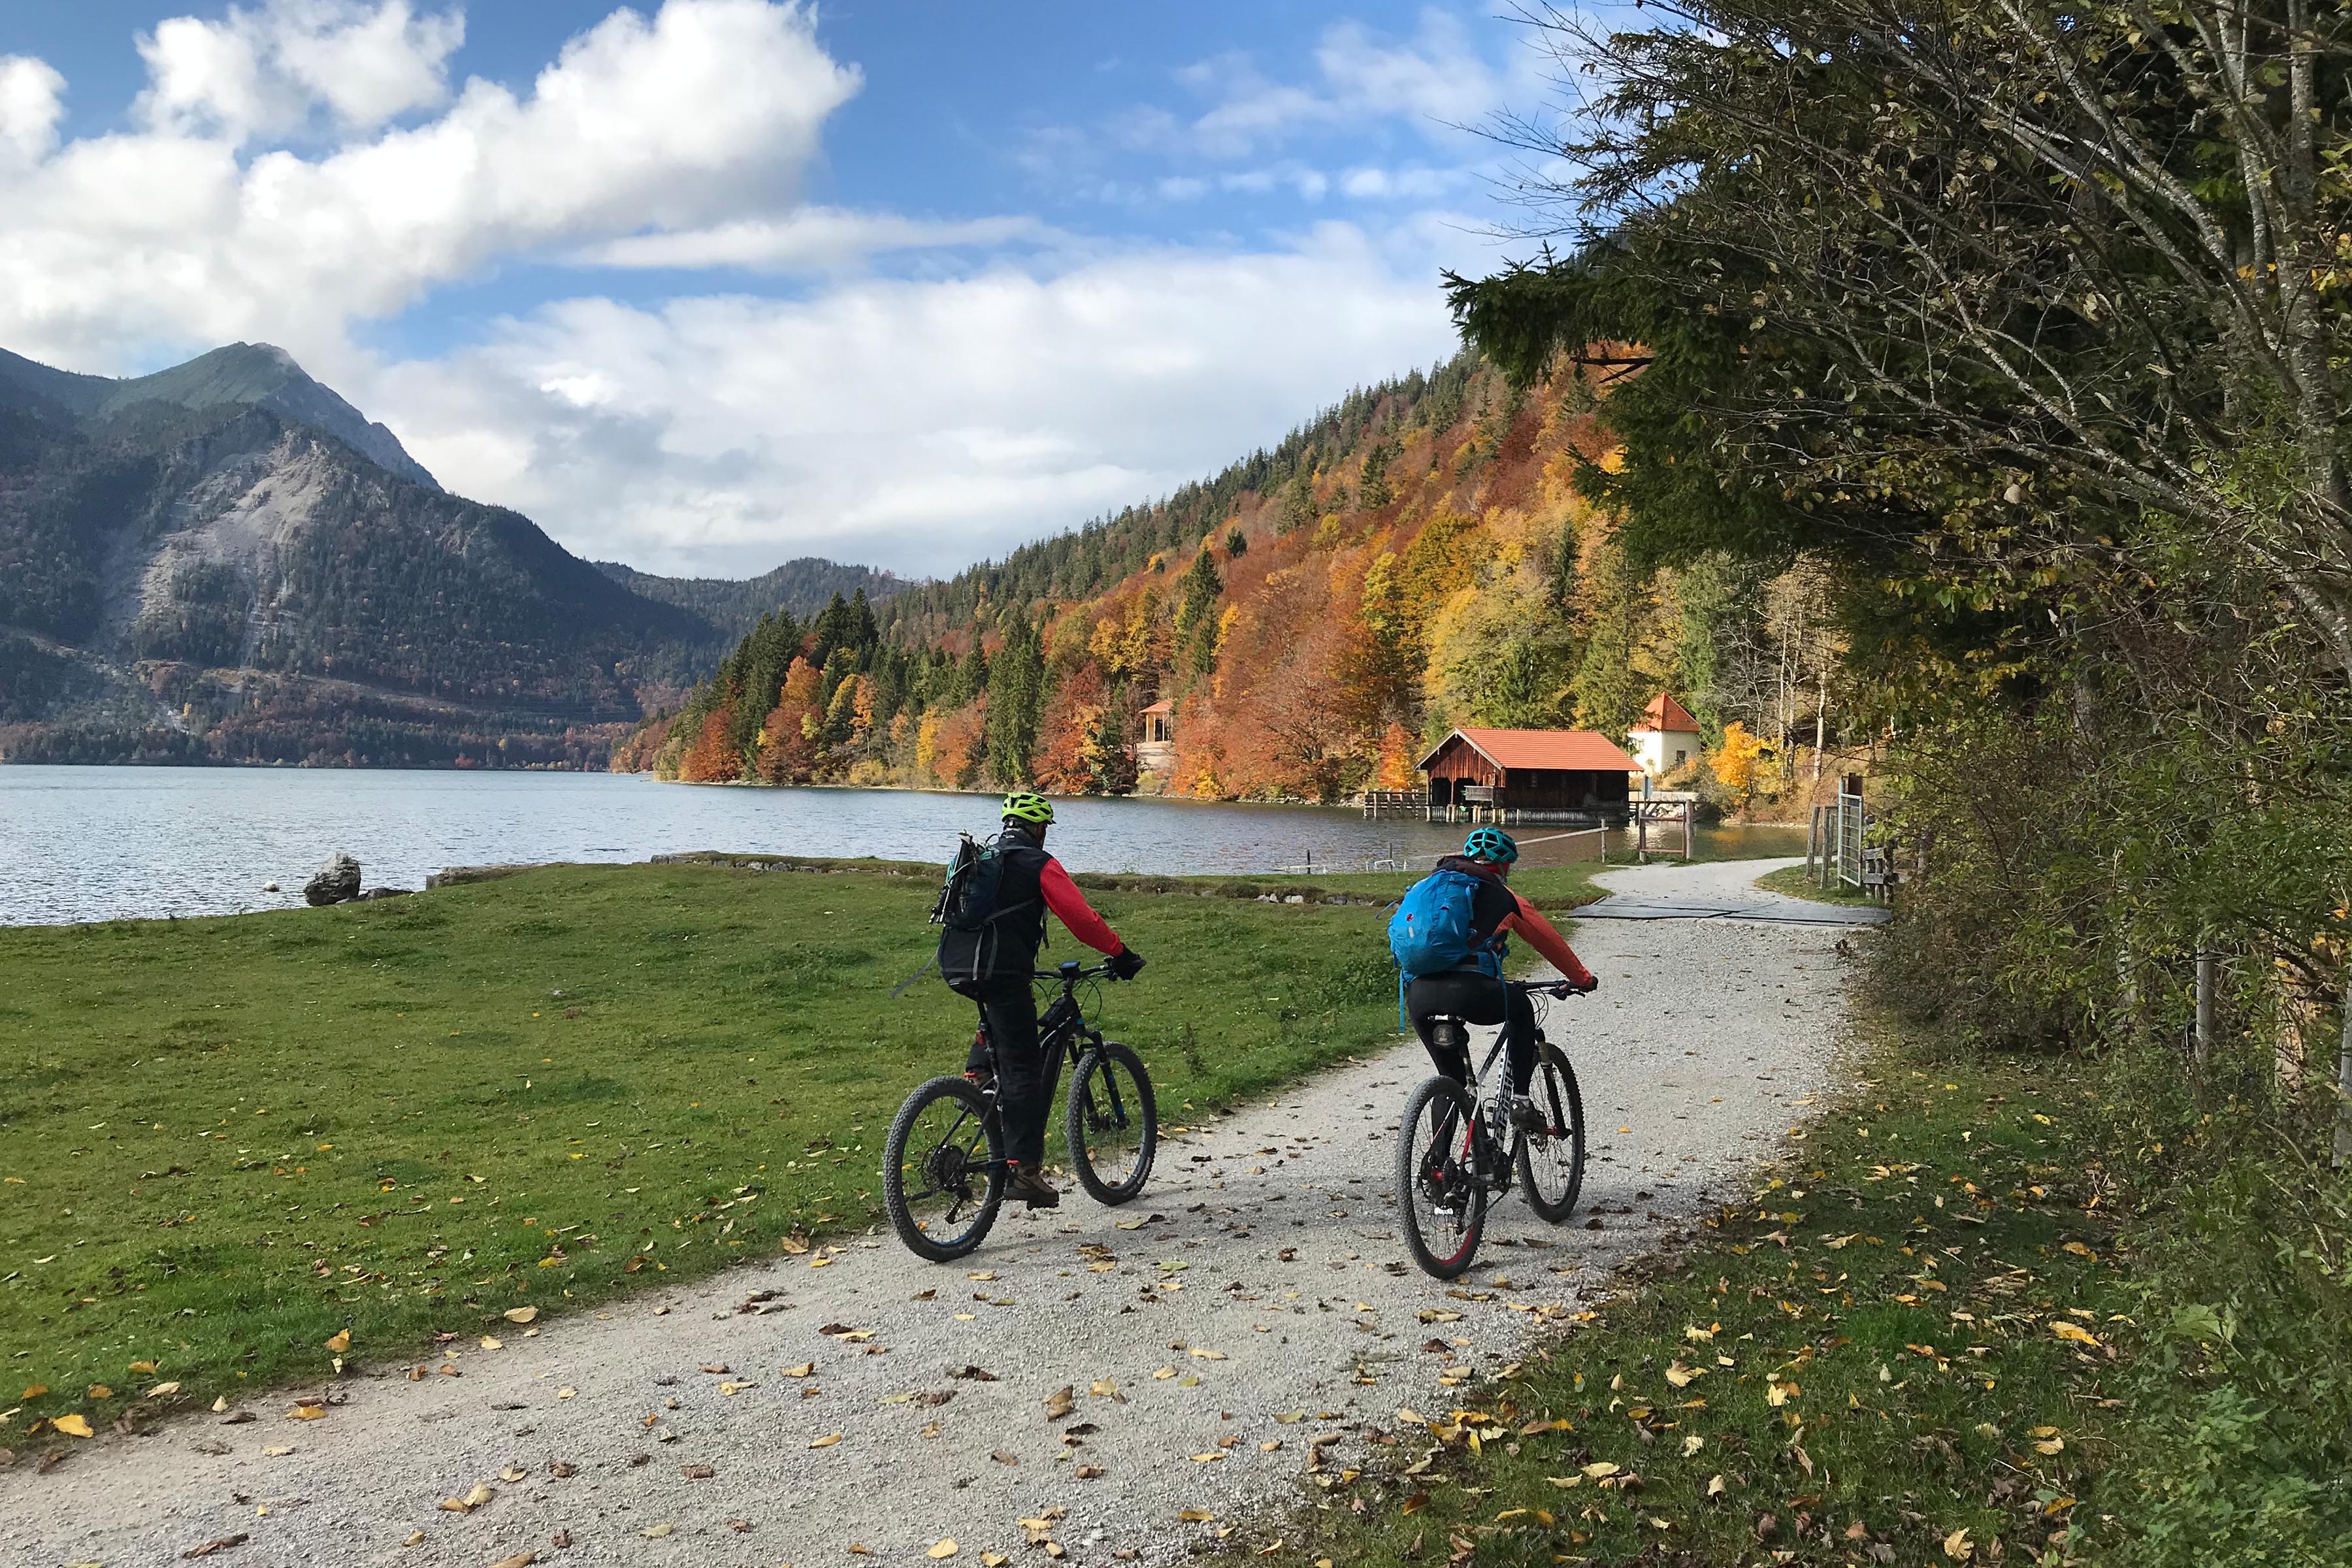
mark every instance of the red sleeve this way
{"type": "Point", "coordinates": [1550, 943]}
{"type": "Point", "coordinates": [1070, 906]}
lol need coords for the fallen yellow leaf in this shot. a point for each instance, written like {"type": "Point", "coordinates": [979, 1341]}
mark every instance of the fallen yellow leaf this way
{"type": "Point", "coordinates": [340, 1341]}
{"type": "Point", "coordinates": [2074, 1332]}
{"type": "Point", "coordinates": [160, 1389]}
{"type": "Point", "coordinates": [492, 1343]}
{"type": "Point", "coordinates": [945, 1546]}
{"type": "Point", "coordinates": [1958, 1546]}
{"type": "Point", "coordinates": [307, 1413]}
{"type": "Point", "coordinates": [1599, 1468]}
{"type": "Point", "coordinates": [803, 1370]}
{"type": "Point", "coordinates": [521, 1314]}
{"type": "Point", "coordinates": [145, 1368]}
{"type": "Point", "coordinates": [828, 1441]}
{"type": "Point", "coordinates": [73, 1425]}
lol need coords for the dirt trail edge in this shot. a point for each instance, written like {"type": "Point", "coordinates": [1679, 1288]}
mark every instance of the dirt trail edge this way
{"type": "Point", "coordinates": [1252, 1315]}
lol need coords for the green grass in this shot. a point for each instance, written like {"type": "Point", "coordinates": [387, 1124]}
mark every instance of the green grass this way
{"type": "Point", "coordinates": [1899, 1278]}
{"type": "Point", "coordinates": [1792, 880]}
{"type": "Point", "coordinates": [222, 1141]}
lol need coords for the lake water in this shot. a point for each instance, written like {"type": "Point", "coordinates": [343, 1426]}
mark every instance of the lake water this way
{"type": "Point", "coordinates": [94, 843]}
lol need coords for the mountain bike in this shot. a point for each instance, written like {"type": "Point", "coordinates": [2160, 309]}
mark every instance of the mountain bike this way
{"type": "Point", "coordinates": [944, 1165]}
{"type": "Point", "coordinates": [1450, 1158]}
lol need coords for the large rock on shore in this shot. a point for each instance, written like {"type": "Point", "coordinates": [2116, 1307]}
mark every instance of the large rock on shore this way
{"type": "Point", "coordinates": [336, 882]}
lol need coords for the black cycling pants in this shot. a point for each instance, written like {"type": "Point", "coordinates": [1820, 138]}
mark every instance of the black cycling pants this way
{"type": "Point", "coordinates": [1474, 997]}
{"type": "Point", "coordinates": [1025, 1095]}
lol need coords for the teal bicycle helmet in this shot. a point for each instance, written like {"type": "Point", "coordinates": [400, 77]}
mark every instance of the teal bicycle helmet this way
{"type": "Point", "coordinates": [1490, 844]}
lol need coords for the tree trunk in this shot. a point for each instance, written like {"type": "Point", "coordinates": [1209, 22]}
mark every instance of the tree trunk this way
{"type": "Point", "coordinates": [1821, 722]}
{"type": "Point", "coordinates": [2207, 964]}
{"type": "Point", "coordinates": [2344, 1085]}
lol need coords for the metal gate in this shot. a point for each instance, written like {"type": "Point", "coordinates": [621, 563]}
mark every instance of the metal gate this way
{"type": "Point", "coordinates": [1850, 823]}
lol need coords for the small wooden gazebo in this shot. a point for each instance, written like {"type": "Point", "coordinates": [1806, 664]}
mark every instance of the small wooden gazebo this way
{"type": "Point", "coordinates": [1512, 775]}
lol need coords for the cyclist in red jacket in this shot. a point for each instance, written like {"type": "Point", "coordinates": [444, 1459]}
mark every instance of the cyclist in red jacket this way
{"type": "Point", "coordinates": [1009, 1007]}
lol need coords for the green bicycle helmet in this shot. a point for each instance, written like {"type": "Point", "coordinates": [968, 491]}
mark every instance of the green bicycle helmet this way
{"type": "Point", "coordinates": [1491, 843]}
{"type": "Point", "coordinates": [1028, 805]}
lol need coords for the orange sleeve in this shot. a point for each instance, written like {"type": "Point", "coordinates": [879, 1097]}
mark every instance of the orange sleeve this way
{"type": "Point", "coordinates": [1547, 942]}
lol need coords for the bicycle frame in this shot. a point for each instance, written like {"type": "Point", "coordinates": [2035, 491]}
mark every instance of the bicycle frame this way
{"type": "Point", "coordinates": [1484, 1113]}
{"type": "Point", "coordinates": [1062, 1035]}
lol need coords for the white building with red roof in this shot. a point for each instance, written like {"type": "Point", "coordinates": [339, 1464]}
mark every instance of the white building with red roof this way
{"type": "Point", "coordinates": [1667, 737]}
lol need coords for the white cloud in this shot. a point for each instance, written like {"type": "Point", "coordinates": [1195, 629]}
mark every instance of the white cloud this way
{"type": "Point", "coordinates": [271, 70]}
{"type": "Point", "coordinates": [810, 238]}
{"type": "Point", "coordinates": [1415, 182]}
{"type": "Point", "coordinates": [32, 98]}
{"type": "Point", "coordinates": [117, 244]}
{"type": "Point", "coordinates": [916, 424]}
{"type": "Point", "coordinates": [1436, 79]}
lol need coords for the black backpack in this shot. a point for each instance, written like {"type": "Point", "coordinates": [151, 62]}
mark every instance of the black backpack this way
{"type": "Point", "coordinates": [983, 937]}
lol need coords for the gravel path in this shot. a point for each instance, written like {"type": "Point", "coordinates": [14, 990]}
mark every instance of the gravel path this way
{"type": "Point", "coordinates": [1250, 1318]}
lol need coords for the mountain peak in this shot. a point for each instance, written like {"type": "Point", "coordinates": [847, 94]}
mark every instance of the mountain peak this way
{"type": "Point", "coordinates": [259, 374]}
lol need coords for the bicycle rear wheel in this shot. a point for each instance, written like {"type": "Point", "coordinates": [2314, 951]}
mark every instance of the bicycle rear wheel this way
{"type": "Point", "coordinates": [1441, 1201]}
{"type": "Point", "coordinates": [1551, 1164]}
{"type": "Point", "coordinates": [1111, 1124]}
{"type": "Point", "coordinates": [943, 1170]}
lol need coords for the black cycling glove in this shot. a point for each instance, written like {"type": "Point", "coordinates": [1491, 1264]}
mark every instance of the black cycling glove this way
{"type": "Point", "coordinates": [1126, 964]}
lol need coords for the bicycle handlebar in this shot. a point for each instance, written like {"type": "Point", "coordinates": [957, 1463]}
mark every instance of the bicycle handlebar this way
{"type": "Point", "coordinates": [1556, 988]}
{"type": "Point", "coordinates": [1073, 974]}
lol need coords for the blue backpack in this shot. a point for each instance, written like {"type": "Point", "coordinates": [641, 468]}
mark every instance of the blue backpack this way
{"type": "Point", "coordinates": [1432, 931]}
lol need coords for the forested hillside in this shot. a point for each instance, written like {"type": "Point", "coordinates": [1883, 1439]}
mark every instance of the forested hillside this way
{"type": "Point", "coordinates": [1418, 556]}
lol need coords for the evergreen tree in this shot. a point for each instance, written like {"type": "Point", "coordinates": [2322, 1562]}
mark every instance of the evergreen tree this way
{"type": "Point", "coordinates": [1609, 689]}
{"type": "Point", "coordinates": [1196, 611]}
{"type": "Point", "coordinates": [970, 674]}
{"type": "Point", "coordinates": [1017, 695]}
{"type": "Point", "coordinates": [1374, 491]}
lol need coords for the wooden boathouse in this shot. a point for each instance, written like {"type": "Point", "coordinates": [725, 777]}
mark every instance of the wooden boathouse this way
{"type": "Point", "coordinates": [1528, 776]}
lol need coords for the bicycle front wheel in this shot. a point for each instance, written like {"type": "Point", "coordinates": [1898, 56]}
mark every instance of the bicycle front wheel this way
{"type": "Point", "coordinates": [1111, 1124]}
{"type": "Point", "coordinates": [943, 1170]}
{"type": "Point", "coordinates": [1551, 1163]}
{"type": "Point", "coordinates": [1441, 1201]}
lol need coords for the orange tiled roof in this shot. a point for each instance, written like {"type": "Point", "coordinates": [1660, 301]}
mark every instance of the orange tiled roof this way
{"type": "Point", "coordinates": [1574, 751]}
{"type": "Point", "coordinates": [1665, 713]}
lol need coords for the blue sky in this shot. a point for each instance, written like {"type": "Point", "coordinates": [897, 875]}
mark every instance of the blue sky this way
{"type": "Point", "coordinates": [905, 282]}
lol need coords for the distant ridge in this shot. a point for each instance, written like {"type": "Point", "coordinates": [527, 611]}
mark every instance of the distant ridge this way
{"type": "Point", "coordinates": [803, 587]}
{"type": "Point", "coordinates": [260, 376]}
